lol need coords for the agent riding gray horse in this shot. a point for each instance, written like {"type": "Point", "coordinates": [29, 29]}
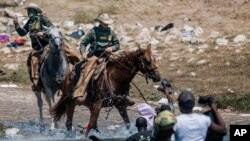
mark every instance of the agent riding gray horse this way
{"type": "Point", "coordinates": [53, 70]}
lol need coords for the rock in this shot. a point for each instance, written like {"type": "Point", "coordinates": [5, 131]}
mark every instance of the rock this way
{"type": "Point", "coordinates": [200, 51]}
{"type": "Point", "coordinates": [13, 66]}
{"type": "Point", "coordinates": [11, 132]}
{"type": "Point", "coordinates": [193, 74]}
{"type": "Point", "coordinates": [126, 39]}
{"type": "Point", "coordinates": [221, 42]}
{"type": "Point", "coordinates": [144, 36]}
{"type": "Point", "coordinates": [4, 21]}
{"type": "Point", "coordinates": [227, 63]}
{"type": "Point", "coordinates": [186, 39]}
{"type": "Point", "coordinates": [190, 60]}
{"type": "Point", "coordinates": [196, 41]}
{"type": "Point", "coordinates": [174, 57]}
{"type": "Point", "coordinates": [68, 24]}
{"type": "Point", "coordinates": [5, 50]}
{"type": "Point", "coordinates": [238, 51]}
{"type": "Point", "coordinates": [154, 42]}
{"type": "Point", "coordinates": [202, 62]}
{"type": "Point", "coordinates": [168, 39]}
{"type": "Point", "coordinates": [139, 25]}
{"type": "Point", "coordinates": [2, 13]}
{"type": "Point", "coordinates": [9, 13]}
{"type": "Point", "coordinates": [190, 49]}
{"type": "Point", "coordinates": [214, 34]}
{"type": "Point", "coordinates": [216, 47]}
{"type": "Point", "coordinates": [240, 38]}
{"type": "Point", "coordinates": [175, 31]}
{"type": "Point", "coordinates": [198, 31]}
{"type": "Point", "coordinates": [22, 49]}
{"type": "Point", "coordinates": [204, 46]}
{"type": "Point", "coordinates": [186, 19]}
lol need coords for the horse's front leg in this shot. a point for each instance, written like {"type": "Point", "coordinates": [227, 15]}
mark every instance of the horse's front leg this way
{"type": "Point", "coordinates": [49, 95]}
{"type": "Point", "coordinates": [40, 106]}
{"type": "Point", "coordinates": [94, 114]}
{"type": "Point", "coordinates": [70, 112]}
{"type": "Point", "coordinates": [122, 108]}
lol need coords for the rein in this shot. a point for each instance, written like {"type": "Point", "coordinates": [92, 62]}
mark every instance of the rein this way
{"type": "Point", "coordinates": [142, 95]}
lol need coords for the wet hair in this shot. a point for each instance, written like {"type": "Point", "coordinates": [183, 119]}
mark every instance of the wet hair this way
{"type": "Point", "coordinates": [141, 122]}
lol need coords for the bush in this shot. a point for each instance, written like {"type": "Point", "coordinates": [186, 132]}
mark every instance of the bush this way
{"type": "Point", "coordinates": [19, 76]}
{"type": "Point", "coordinates": [239, 102]}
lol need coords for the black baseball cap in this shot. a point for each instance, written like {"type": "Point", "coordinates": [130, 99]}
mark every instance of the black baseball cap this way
{"type": "Point", "coordinates": [186, 99]}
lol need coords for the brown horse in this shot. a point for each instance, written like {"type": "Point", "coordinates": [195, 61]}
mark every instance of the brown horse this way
{"type": "Point", "coordinates": [111, 88]}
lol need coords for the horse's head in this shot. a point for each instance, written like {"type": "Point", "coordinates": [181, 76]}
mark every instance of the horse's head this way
{"type": "Point", "coordinates": [147, 64]}
{"type": "Point", "coordinates": [55, 38]}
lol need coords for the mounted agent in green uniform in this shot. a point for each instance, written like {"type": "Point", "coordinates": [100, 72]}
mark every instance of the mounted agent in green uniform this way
{"type": "Point", "coordinates": [35, 27]}
{"type": "Point", "coordinates": [101, 39]}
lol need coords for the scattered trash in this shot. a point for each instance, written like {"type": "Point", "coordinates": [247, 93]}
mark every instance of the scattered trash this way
{"type": "Point", "coordinates": [19, 41]}
{"type": "Point", "coordinates": [148, 113]}
{"type": "Point", "coordinates": [83, 125]}
{"type": "Point", "coordinates": [12, 45]}
{"type": "Point", "coordinates": [163, 101]}
{"type": "Point", "coordinates": [4, 38]}
{"type": "Point", "coordinates": [160, 28]}
{"type": "Point", "coordinates": [11, 132]}
{"type": "Point", "coordinates": [197, 108]}
{"type": "Point", "coordinates": [8, 85]}
{"type": "Point", "coordinates": [187, 31]}
{"type": "Point", "coordinates": [77, 34]}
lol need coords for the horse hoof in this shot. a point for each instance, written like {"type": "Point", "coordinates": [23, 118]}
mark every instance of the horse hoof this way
{"type": "Point", "coordinates": [52, 132]}
{"type": "Point", "coordinates": [127, 126]}
{"type": "Point", "coordinates": [82, 132]}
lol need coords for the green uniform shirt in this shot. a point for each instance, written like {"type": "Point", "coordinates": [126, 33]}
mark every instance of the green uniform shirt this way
{"type": "Point", "coordinates": [100, 39]}
{"type": "Point", "coordinates": [33, 25]}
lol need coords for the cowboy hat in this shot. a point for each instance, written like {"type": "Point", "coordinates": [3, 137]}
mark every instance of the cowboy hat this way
{"type": "Point", "coordinates": [104, 18]}
{"type": "Point", "coordinates": [35, 7]}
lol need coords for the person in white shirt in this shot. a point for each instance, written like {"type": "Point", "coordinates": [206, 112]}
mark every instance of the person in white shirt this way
{"type": "Point", "coordinates": [192, 126]}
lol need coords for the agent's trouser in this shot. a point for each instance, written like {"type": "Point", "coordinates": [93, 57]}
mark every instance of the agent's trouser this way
{"type": "Point", "coordinates": [85, 76]}
{"type": "Point", "coordinates": [73, 56]}
{"type": "Point", "coordinates": [36, 59]}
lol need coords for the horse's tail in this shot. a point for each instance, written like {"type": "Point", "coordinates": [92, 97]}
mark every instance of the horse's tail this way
{"type": "Point", "coordinates": [60, 108]}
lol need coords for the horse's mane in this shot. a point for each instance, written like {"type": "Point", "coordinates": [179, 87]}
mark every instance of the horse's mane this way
{"type": "Point", "coordinates": [123, 56]}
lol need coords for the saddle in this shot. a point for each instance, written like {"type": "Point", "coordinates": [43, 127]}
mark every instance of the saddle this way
{"type": "Point", "coordinates": [77, 69]}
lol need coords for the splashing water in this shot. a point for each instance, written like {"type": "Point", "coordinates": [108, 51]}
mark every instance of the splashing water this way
{"type": "Point", "coordinates": [30, 130]}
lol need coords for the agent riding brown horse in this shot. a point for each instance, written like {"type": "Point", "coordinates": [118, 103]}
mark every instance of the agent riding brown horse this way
{"type": "Point", "coordinates": [110, 89]}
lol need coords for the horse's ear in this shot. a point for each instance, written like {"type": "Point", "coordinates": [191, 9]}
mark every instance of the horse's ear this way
{"type": "Point", "coordinates": [45, 27]}
{"type": "Point", "coordinates": [139, 47]}
{"type": "Point", "coordinates": [149, 48]}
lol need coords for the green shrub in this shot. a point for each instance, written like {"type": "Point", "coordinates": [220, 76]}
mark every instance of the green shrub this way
{"type": "Point", "coordinates": [239, 102]}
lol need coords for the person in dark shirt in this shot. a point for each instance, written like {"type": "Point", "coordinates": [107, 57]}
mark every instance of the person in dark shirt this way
{"type": "Point", "coordinates": [143, 134]}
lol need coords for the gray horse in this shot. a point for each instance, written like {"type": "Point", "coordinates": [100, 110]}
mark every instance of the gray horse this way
{"type": "Point", "coordinates": [52, 72]}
